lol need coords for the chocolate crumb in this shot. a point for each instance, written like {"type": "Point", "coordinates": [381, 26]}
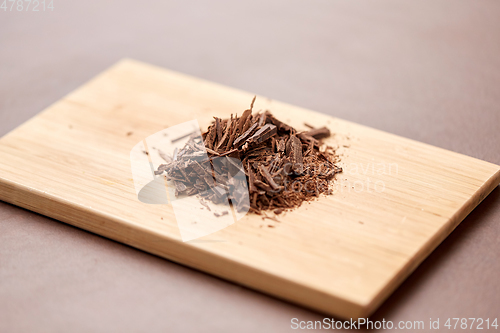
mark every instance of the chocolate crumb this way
{"type": "Point", "coordinates": [270, 218]}
{"type": "Point", "coordinates": [225, 212]}
{"type": "Point", "coordinates": [206, 205]}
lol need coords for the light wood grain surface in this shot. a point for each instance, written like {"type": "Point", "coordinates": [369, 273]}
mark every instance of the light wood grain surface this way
{"type": "Point", "coordinates": [396, 200]}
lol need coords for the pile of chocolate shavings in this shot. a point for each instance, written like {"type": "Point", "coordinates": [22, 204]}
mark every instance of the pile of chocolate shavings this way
{"type": "Point", "coordinates": [283, 167]}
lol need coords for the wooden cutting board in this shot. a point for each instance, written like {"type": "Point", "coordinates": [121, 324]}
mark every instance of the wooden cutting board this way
{"type": "Point", "coordinates": [343, 255]}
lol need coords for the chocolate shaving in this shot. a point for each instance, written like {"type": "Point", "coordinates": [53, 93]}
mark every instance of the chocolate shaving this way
{"type": "Point", "coordinates": [265, 173]}
{"type": "Point", "coordinates": [262, 119]}
{"type": "Point", "coordinates": [218, 129]}
{"type": "Point", "coordinates": [243, 119]}
{"type": "Point", "coordinates": [263, 134]}
{"type": "Point", "coordinates": [281, 125]}
{"type": "Point", "coordinates": [283, 167]}
{"type": "Point", "coordinates": [248, 123]}
{"type": "Point", "coordinates": [294, 150]}
{"type": "Point", "coordinates": [233, 133]}
{"type": "Point", "coordinates": [225, 137]}
{"type": "Point", "coordinates": [319, 133]}
{"type": "Point", "coordinates": [243, 138]}
{"type": "Point", "coordinates": [211, 137]}
{"type": "Point", "coordinates": [213, 152]}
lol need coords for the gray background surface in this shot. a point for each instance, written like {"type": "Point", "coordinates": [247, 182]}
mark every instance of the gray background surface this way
{"type": "Point", "coordinates": [427, 70]}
